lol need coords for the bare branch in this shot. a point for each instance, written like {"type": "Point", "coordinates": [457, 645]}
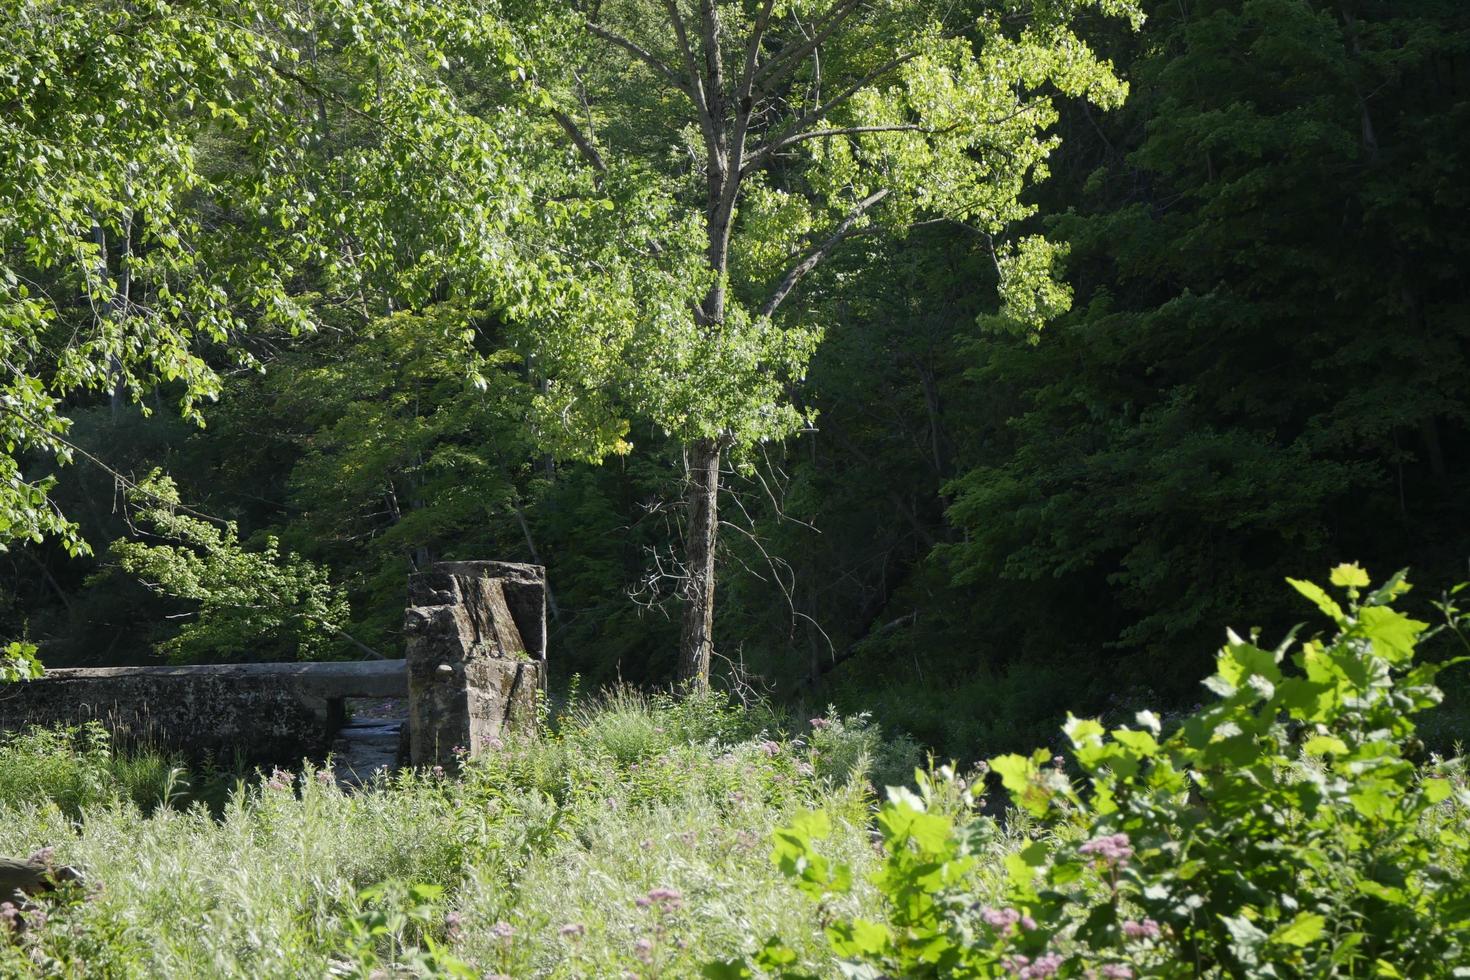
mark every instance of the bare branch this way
{"type": "Point", "coordinates": [694, 88]}
{"type": "Point", "coordinates": [583, 144]}
{"type": "Point", "coordinates": [825, 26]}
{"type": "Point", "coordinates": [639, 52]}
{"type": "Point", "coordinates": [843, 230]}
{"type": "Point", "coordinates": [817, 134]}
{"type": "Point", "coordinates": [812, 115]}
{"type": "Point", "coordinates": [752, 55]}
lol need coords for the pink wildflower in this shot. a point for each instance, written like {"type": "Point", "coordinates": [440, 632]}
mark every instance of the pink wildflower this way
{"type": "Point", "coordinates": [452, 923]}
{"type": "Point", "coordinates": [573, 930]}
{"type": "Point", "coordinates": [1112, 848]}
{"type": "Point", "coordinates": [1045, 965]}
{"type": "Point", "coordinates": [491, 742]}
{"type": "Point", "coordinates": [1028, 923]}
{"type": "Point", "coordinates": [280, 780]}
{"type": "Point", "coordinates": [437, 772]}
{"type": "Point", "coordinates": [9, 915]}
{"type": "Point", "coordinates": [1147, 929]}
{"type": "Point", "coordinates": [665, 897]}
{"type": "Point", "coordinates": [46, 856]}
{"type": "Point", "coordinates": [325, 777]}
{"type": "Point", "coordinates": [820, 723]}
{"type": "Point", "coordinates": [503, 930]}
{"type": "Point", "coordinates": [999, 919]}
{"type": "Point", "coordinates": [643, 949]}
{"type": "Point", "coordinates": [770, 748]}
{"type": "Point", "coordinates": [1116, 971]}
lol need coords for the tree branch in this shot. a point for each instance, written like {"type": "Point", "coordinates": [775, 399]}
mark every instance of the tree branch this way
{"type": "Point", "coordinates": [812, 115]}
{"type": "Point", "coordinates": [786, 62]}
{"type": "Point", "coordinates": [583, 144]}
{"type": "Point", "coordinates": [843, 230]}
{"type": "Point", "coordinates": [639, 52]}
{"type": "Point", "coordinates": [816, 134]}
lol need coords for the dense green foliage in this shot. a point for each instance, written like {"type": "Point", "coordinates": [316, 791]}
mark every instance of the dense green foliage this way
{"type": "Point", "coordinates": [1283, 830]}
{"type": "Point", "coordinates": [1261, 370]}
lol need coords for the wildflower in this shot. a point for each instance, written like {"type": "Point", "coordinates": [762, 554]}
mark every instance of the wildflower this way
{"type": "Point", "coordinates": [1028, 923]}
{"type": "Point", "coordinates": [46, 856]}
{"type": "Point", "coordinates": [643, 949]}
{"type": "Point", "coordinates": [1045, 965]}
{"type": "Point", "coordinates": [280, 780]}
{"type": "Point", "coordinates": [36, 918]}
{"type": "Point", "coordinates": [437, 772]}
{"type": "Point", "coordinates": [1112, 848]}
{"type": "Point", "coordinates": [999, 919]}
{"type": "Point", "coordinates": [1147, 929]}
{"type": "Point", "coordinates": [770, 748]}
{"type": "Point", "coordinates": [1057, 762]}
{"type": "Point", "coordinates": [491, 742]}
{"type": "Point", "coordinates": [325, 777]}
{"type": "Point", "coordinates": [573, 930]}
{"type": "Point", "coordinates": [9, 916]}
{"type": "Point", "coordinates": [1116, 971]}
{"type": "Point", "coordinates": [805, 769]}
{"type": "Point", "coordinates": [669, 897]}
{"type": "Point", "coordinates": [460, 751]}
{"type": "Point", "coordinates": [503, 930]}
{"type": "Point", "coordinates": [452, 922]}
{"type": "Point", "coordinates": [820, 723]}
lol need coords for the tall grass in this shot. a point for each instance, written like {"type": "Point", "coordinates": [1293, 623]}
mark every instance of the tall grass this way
{"type": "Point", "coordinates": [546, 852]}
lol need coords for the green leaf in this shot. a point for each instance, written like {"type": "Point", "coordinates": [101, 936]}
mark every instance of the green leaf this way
{"type": "Point", "coordinates": [1319, 598]}
{"type": "Point", "coordinates": [1304, 930]}
{"type": "Point", "coordinates": [1349, 576]}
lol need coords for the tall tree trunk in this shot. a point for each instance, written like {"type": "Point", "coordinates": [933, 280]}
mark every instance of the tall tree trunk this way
{"type": "Point", "coordinates": [696, 642]}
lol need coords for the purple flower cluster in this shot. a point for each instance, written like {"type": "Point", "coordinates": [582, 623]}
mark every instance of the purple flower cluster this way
{"type": "Point", "coordinates": [503, 931]}
{"type": "Point", "coordinates": [1147, 929]}
{"type": "Point", "coordinates": [280, 780]}
{"type": "Point", "coordinates": [643, 949]}
{"type": "Point", "coordinates": [1001, 920]}
{"type": "Point", "coordinates": [1115, 849]}
{"type": "Point", "coordinates": [664, 898]}
{"type": "Point", "coordinates": [1045, 965]}
{"type": "Point", "coordinates": [820, 723]}
{"type": "Point", "coordinates": [573, 930]}
{"type": "Point", "coordinates": [770, 748]}
{"type": "Point", "coordinates": [1115, 971]}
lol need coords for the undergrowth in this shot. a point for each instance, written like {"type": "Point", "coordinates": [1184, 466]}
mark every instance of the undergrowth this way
{"type": "Point", "coordinates": [632, 837]}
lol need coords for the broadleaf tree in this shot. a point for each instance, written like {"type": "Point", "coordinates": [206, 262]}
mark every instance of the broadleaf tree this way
{"type": "Point", "coordinates": [173, 174]}
{"type": "Point", "coordinates": [783, 131]}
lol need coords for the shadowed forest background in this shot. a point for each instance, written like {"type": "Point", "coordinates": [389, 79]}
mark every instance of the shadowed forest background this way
{"type": "Point", "coordinates": [1263, 373]}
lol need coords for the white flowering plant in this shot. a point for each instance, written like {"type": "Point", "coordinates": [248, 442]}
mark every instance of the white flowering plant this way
{"type": "Point", "coordinates": [1290, 828]}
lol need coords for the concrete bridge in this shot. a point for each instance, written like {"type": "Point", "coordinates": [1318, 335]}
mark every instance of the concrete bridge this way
{"type": "Point", "coordinates": [475, 661]}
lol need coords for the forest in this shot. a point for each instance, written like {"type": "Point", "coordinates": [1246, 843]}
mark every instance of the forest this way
{"type": "Point", "coordinates": [906, 399]}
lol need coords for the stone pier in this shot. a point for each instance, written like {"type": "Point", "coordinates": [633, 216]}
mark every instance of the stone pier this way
{"type": "Point", "coordinates": [476, 652]}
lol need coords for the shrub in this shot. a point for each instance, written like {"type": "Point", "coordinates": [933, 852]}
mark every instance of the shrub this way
{"type": "Point", "coordinates": [1283, 830]}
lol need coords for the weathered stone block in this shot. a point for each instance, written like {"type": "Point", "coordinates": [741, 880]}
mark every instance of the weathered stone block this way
{"type": "Point", "coordinates": [476, 646]}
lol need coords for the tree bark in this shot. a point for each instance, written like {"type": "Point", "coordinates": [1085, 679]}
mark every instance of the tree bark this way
{"type": "Point", "coordinates": [697, 638]}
